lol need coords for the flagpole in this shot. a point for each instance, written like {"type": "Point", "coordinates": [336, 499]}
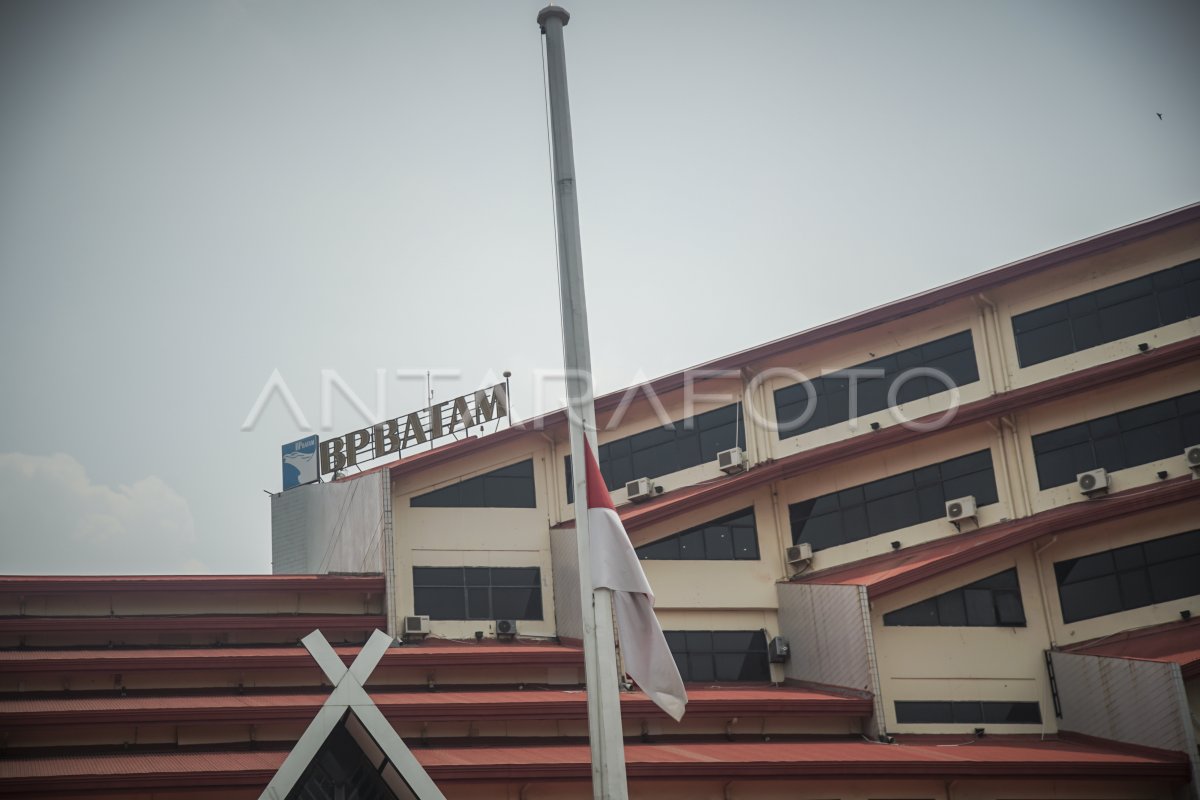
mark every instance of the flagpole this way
{"type": "Point", "coordinates": [599, 648]}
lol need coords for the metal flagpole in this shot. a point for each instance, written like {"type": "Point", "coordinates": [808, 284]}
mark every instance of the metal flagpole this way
{"type": "Point", "coordinates": [599, 647]}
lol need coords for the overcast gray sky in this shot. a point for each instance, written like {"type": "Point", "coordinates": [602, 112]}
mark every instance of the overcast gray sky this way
{"type": "Point", "coordinates": [193, 195]}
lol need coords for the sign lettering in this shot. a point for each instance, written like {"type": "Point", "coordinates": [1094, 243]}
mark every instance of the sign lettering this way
{"type": "Point", "coordinates": [427, 425]}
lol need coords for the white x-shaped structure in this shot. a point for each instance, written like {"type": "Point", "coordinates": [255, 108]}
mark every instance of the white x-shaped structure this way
{"type": "Point", "coordinates": [348, 693]}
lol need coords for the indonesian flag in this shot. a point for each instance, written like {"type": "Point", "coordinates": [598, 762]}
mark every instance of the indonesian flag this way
{"type": "Point", "coordinates": [615, 566]}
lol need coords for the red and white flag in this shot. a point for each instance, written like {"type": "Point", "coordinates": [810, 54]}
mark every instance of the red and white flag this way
{"type": "Point", "coordinates": [615, 566]}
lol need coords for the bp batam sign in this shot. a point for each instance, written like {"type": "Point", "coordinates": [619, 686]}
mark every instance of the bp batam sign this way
{"type": "Point", "coordinates": [394, 435]}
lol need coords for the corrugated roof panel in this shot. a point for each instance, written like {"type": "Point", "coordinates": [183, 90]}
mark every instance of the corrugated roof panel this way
{"type": "Point", "coordinates": [416, 704]}
{"type": "Point", "coordinates": [1176, 642]}
{"type": "Point", "coordinates": [1007, 756]}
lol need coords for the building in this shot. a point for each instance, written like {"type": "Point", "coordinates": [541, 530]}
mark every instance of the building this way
{"type": "Point", "coordinates": [987, 590]}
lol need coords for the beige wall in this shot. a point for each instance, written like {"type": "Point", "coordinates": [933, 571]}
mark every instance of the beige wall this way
{"type": "Point", "coordinates": [1101, 402]}
{"type": "Point", "coordinates": [1106, 536]}
{"type": "Point", "coordinates": [718, 584]}
{"type": "Point", "coordinates": [1088, 275]}
{"type": "Point", "coordinates": [856, 348]}
{"type": "Point", "coordinates": [964, 663]}
{"type": "Point", "coordinates": [864, 469]}
{"type": "Point", "coordinates": [475, 537]}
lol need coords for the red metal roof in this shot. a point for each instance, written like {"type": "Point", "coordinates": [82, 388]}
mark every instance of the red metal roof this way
{"type": "Point", "coordinates": [305, 623]}
{"type": "Point", "coordinates": [892, 571]}
{"type": "Point", "coordinates": [1175, 642]}
{"type": "Point", "coordinates": [898, 309]}
{"type": "Point", "coordinates": [417, 704]}
{"type": "Point", "coordinates": [63, 584]}
{"type": "Point", "coordinates": [1012, 757]}
{"type": "Point", "coordinates": [640, 515]}
{"type": "Point", "coordinates": [432, 652]}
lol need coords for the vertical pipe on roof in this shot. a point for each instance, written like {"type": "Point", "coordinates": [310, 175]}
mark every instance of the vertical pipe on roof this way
{"type": "Point", "coordinates": [873, 662]}
{"type": "Point", "coordinates": [389, 556]}
{"type": "Point", "coordinates": [1019, 462]}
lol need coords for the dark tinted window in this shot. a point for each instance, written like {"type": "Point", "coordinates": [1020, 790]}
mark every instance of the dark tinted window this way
{"type": "Point", "coordinates": [507, 487]}
{"type": "Point", "coordinates": [1109, 314]}
{"type": "Point", "coordinates": [661, 451]}
{"type": "Point", "coordinates": [720, 656]}
{"type": "Point", "coordinates": [732, 537]}
{"type": "Point", "coordinates": [892, 503]}
{"type": "Point", "coordinates": [478, 592]}
{"type": "Point", "coordinates": [1129, 577]}
{"type": "Point", "coordinates": [994, 601]}
{"type": "Point", "coordinates": [953, 355]}
{"type": "Point", "coordinates": [968, 712]}
{"type": "Point", "coordinates": [1118, 441]}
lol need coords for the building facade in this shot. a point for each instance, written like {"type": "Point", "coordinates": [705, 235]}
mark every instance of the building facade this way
{"type": "Point", "coordinates": [970, 513]}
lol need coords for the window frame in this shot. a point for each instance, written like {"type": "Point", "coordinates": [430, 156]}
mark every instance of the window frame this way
{"type": "Point", "coordinates": [460, 493]}
{"type": "Point", "coordinates": [648, 551]}
{"type": "Point", "coordinates": [966, 712]}
{"type": "Point", "coordinates": [617, 458]}
{"type": "Point", "coordinates": [852, 506]}
{"type": "Point", "coordinates": [470, 590]}
{"type": "Point", "coordinates": [1106, 441]}
{"type": "Point", "coordinates": [1172, 294]}
{"type": "Point", "coordinates": [1124, 566]}
{"type": "Point", "coordinates": [942, 608]}
{"type": "Point", "coordinates": [830, 390]}
{"type": "Point", "coordinates": [680, 643]}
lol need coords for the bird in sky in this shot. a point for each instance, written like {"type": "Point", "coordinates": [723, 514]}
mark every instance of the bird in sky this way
{"type": "Point", "coordinates": [1159, 115]}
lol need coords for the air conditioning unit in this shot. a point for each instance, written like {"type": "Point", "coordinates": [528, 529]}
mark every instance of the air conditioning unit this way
{"type": "Point", "coordinates": [506, 628]}
{"type": "Point", "coordinates": [778, 650]}
{"type": "Point", "coordinates": [1192, 456]}
{"type": "Point", "coordinates": [961, 508]}
{"type": "Point", "coordinates": [641, 490]}
{"type": "Point", "coordinates": [1092, 481]}
{"type": "Point", "coordinates": [416, 627]}
{"type": "Point", "coordinates": [800, 553]}
{"type": "Point", "coordinates": [731, 461]}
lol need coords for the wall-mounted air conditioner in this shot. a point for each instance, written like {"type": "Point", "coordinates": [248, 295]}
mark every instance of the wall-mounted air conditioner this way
{"type": "Point", "coordinates": [1192, 456]}
{"type": "Point", "coordinates": [1093, 481]}
{"type": "Point", "coordinates": [641, 490]}
{"type": "Point", "coordinates": [731, 461]}
{"type": "Point", "coordinates": [506, 628]}
{"type": "Point", "coordinates": [799, 553]}
{"type": "Point", "coordinates": [416, 627]}
{"type": "Point", "coordinates": [960, 509]}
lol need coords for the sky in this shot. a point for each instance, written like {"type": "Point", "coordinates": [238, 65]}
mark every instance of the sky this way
{"type": "Point", "coordinates": [194, 196]}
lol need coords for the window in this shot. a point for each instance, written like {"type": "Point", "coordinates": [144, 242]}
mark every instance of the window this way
{"type": "Point", "coordinates": [478, 592]}
{"type": "Point", "coordinates": [661, 451]}
{"type": "Point", "coordinates": [1106, 315]}
{"type": "Point", "coordinates": [967, 712]}
{"type": "Point", "coordinates": [1129, 577]}
{"type": "Point", "coordinates": [507, 487]}
{"type": "Point", "coordinates": [720, 656]}
{"type": "Point", "coordinates": [1118, 441]}
{"type": "Point", "coordinates": [953, 355]}
{"type": "Point", "coordinates": [729, 538]}
{"type": "Point", "coordinates": [992, 602]}
{"type": "Point", "coordinates": [892, 503]}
